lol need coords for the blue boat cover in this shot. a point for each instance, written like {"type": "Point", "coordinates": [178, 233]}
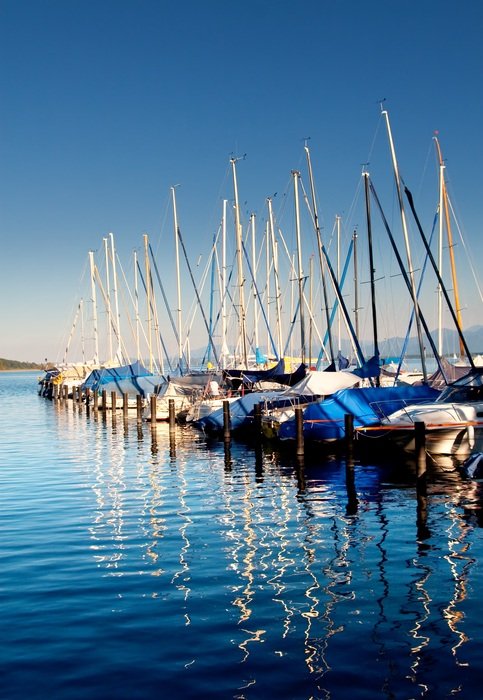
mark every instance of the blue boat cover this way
{"type": "Point", "coordinates": [134, 378]}
{"type": "Point", "coordinates": [324, 420]}
{"type": "Point", "coordinates": [241, 410]}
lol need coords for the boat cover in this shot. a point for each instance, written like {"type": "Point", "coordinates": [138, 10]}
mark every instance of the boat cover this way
{"type": "Point", "coordinates": [324, 420]}
{"type": "Point", "coordinates": [126, 379]}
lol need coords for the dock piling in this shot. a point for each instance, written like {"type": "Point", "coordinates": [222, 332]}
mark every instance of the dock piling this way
{"type": "Point", "coordinates": [299, 432]}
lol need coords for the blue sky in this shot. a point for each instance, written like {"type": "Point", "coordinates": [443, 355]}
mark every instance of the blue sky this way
{"type": "Point", "coordinates": [105, 105]}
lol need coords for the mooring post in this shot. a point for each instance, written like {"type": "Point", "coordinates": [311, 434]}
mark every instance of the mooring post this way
{"type": "Point", "coordinates": [96, 400]}
{"type": "Point", "coordinates": [153, 409]}
{"type": "Point", "coordinates": [420, 447]}
{"type": "Point", "coordinates": [299, 432]}
{"type": "Point", "coordinates": [125, 403]}
{"type": "Point", "coordinates": [88, 398]}
{"type": "Point", "coordinates": [171, 414]}
{"type": "Point", "coordinates": [257, 419]}
{"type": "Point", "coordinates": [139, 408]}
{"type": "Point", "coordinates": [66, 392]}
{"type": "Point", "coordinates": [104, 400]}
{"type": "Point", "coordinates": [226, 421]}
{"type": "Point", "coordinates": [349, 436]}
{"type": "Point", "coordinates": [113, 401]}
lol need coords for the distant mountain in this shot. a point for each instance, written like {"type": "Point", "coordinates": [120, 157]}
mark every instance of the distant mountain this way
{"type": "Point", "coordinates": [15, 364]}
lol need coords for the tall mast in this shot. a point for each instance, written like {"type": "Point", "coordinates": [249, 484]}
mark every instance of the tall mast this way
{"type": "Point", "coordinates": [267, 276]}
{"type": "Point", "coordinates": [224, 349]}
{"type": "Point", "coordinates": [241, 281]}
{"type": "Point", "coordinates": [296, 176]}
{"type": "Point", "coordinates": [116, 300]}
{"type": "Point", "coordinates": [94, 307]}
{"type": "Point", "coordinates": [371, 266]}
{"type": "Point", "coordinates": [339, 347]}
{"type": "Point", "coordinates": [136, 305]}
{"type": "Point", "coordinates": [450, 242]}
{"type": "Point", "coordinates": [83, 346]}
{"type": "Point", "coordinates": [254, 272]}
{"type": "Point", "coordinates": [356, 286]}
{"type": "Point", "coordinates": [148, 300]}
{"type": "Point", "coordinates": [440, 262]}
{"type": "Point", "coordinates": [408, 249]}
{"type": "Point", "coordinates": [108, 297]}
{"type": "Point", "coordinates": [178, 281]}
{"type": "Point", "coordinates": [276, 279]}
{"type": "Point", "coordinates": [319, 248]}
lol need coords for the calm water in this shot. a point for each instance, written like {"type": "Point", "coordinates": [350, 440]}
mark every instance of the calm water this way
{"type": "Point", "coordinates": [136, 568]}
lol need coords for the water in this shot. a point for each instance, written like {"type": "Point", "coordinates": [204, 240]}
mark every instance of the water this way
{"type": "Point", "coordinates": [133, 566]}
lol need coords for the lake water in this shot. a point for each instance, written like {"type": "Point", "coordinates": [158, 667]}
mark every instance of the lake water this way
{"type": "Point", "coordinates": [138, 566]}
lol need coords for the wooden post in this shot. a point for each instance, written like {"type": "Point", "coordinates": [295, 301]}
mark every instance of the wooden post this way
{"type": "Point", "coordinates": [420, 446]}
{"type": "Point", "coordinates": [349, 435]}
{"type": "Point", "coordinates": [88, 398]}
{"type": "Point", "coordinates": [113, 400]}
{"type": "Point", "coordinates": [257, 415]}
{"type": "Point", "coordinates": [104, 400]}
{"type": "Point", "coordinates": [139, 408]}
{"type": "Point", "coordinates": [171, 414]}
{"type": "Point", "coordinates": [153, 410]}
{"type": "Point", "coordinates": [299, 432]}
{"type": "Point", "coordinates": [226, 421]}
{"type": "Point", "coordinates": [96, 400]}
{"type": "Point", "coordinates": [66, 392]}
{"type": "Point", "coordinates": [352, 503]}
{"type": "Point", "coordinates": [125, 400]}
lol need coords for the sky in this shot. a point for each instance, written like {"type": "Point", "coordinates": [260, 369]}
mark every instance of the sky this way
{"type": "Point", "coordinates": [107, 104]}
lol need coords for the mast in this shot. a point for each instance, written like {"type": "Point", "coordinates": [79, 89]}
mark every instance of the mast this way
{"type": "Point", "coordinates": [119, 354]}
{"type": "Point", "coordinates": [241, 281]}
{"type": "Point", "coordinates": [319, 248]}
{"type": "Point", "coordinates": [337, 220]}
{"type": "Point", "coordinates": [136, 304]}
{"type": "Point", "coordinates": [408, 249]}
{"type": "Point", "coordinates": [83, 347]}
{"type": "Point", "coordinates": [108, 296]}
{"type": "Point", "coordinates": [148, 300]}
{"type": "Point", "coordinates": [356, 286]}
{"type": "Point", "coordinates": [371, 266]}
{"type": "Point", "coordinates": [278, 293]}
{"type": "Point", "coordinates": [178, 281]}
{"type": "Point", "coordinates": [296, 176]}
{"type": "Point", "coordinates": [224, 348]}
{"type": "Point", "coordinates": [449, 234]}
{"type": "Point", "coordinates": [440, 263]}
{"type": "Point", "coordinates": [94, 307]}
{"type": "Point", "coordinates": [254, 272]}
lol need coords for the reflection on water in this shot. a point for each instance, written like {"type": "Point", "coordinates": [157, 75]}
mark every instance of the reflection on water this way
{"type": "Point", "coordinates": [228, 570]}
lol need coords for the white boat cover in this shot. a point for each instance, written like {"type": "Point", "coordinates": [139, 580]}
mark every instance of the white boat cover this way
{"type": "Point", "coordinates": [322, 384]}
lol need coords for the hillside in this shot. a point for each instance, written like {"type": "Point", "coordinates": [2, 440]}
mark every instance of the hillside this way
{"type": "Point", "coordinates": [16, 365]}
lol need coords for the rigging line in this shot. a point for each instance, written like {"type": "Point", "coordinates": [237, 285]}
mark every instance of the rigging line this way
{"type": "Point", "coordinates": [338, 294]}
{"type": "Point", "coordinates": [260, 301]}
{"type": "Point", "coordinates": [467, 251]}
{"type": "Point", "coordinates": [194, 306]}
{"type": "Point", "coordinates": [158, 277]}
{"type": "Point", "coordinates": [406, 277]}
{"type": "Point", "coordinates": [440, 281]}
{"type": "Point", "coordinates": [124, 353]}
{"type": "Point", "coordinates": [411, 318]}
{"type": "Point", "coordinates": [143, 282]}
{"type": "Point", "coordinates": [215, 354]}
